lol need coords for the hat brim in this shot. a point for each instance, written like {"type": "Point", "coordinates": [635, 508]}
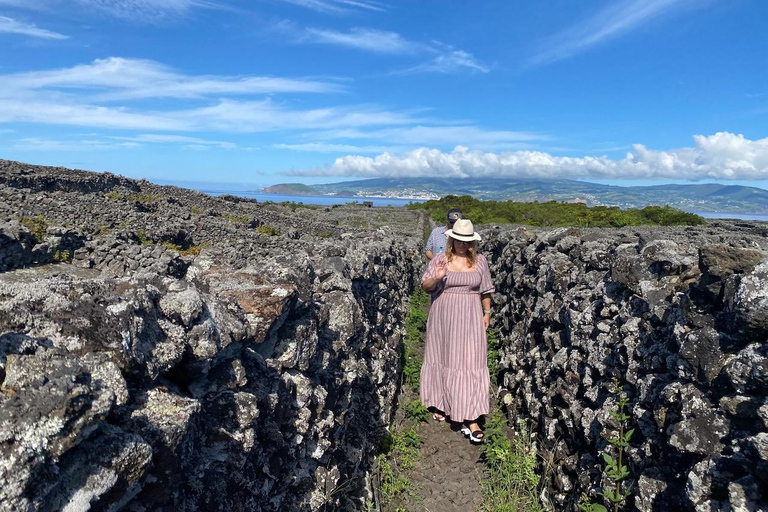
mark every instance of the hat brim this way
{"type": "Point", "coordinates": [464, 238]}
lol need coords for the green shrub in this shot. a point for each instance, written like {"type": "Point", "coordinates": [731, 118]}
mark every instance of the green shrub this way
{"type": "Point", "coordinates": [144, 198]}
{"type": "Point", "coordinates": [142, 238]}
{"type": "Point", "coordinates": [37, 225]}
{"type": "Point", "coordinates": [266, 229]}
{"type": "Point", "coordinates": [236, 219]}
{"type": "Point", "coordinates": [192, 250]}
{"type": "Point", "coordinates": [555, 214]}
{"type": "Point", "coordinates": [115, 196]}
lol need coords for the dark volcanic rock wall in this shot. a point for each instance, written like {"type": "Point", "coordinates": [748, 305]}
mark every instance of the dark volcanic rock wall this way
{"type": "Point", "coordinates": [680, 317]}
{"type": "Point", "coordinates": [180, 358]}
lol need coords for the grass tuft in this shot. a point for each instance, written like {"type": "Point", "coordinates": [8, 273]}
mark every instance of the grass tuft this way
{"type": "Point", "coordinates": [512, 483]}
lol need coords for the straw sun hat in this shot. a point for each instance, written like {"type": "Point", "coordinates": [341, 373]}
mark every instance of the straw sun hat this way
{"type": "Point", "coordinates": [463, 230]}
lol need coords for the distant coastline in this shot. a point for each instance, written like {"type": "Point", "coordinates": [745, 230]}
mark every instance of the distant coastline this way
{"type": "Point", "coordinates": [320, 200]}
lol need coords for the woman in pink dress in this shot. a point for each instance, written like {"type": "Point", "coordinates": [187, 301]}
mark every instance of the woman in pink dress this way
{"type": "Point", "coordinates": [454, 376]}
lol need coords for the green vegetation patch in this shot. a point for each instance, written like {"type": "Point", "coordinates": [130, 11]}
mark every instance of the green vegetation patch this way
{"type": "Point", "coordinates": [415, 411]}
{"type": "Point", "coordinates": [237, 219]}
{"type": "Point", "coordinates": [266, 229]}
{"type": "Point", "coordinates": [191, 250]}
{"type": "Point", "coordinates": [415, 326]}
{"type": "Point", "coordinates": [37, 225]}
{"type": "Point", "coordinates": [399, 453]}
{"type": "Point", "coordinates": [555, 214]}
{"type": "Point", "coordinates": [144, 198]}
{"type": "Point", "coordinates": [512, 483]}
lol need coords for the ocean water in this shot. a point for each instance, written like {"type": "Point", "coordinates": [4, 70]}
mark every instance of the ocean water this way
{"type": "Point", "coordinates": [318, 200]}
{"type": "Point", "coordinates": [388, 201]}
{"type": "Point", "coordinates": [728, 215]}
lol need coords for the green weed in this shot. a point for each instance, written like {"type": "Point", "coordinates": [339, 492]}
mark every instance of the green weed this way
{"type": "Point", "coordinates": [400, 451]}
{"type": "Point", "coordinates": [512, 483]}
{"type": "Point", "coordinates": [237, 219]}
{"type": "Point", "coordinates": [615, 468]}
{"type": "Point", "coordinates": [144, 198]}
{"type": "Point", "coordinates": [266, 229]}
{"type": "Point", "coordinates": [415, 325]}
{"type": "Point", "coordinates": [192, 250]}
{"type": "Point", "coordinates": [37, 225]}
{"type": "Point", "coordinates": [62, 256]}
{"type": "Point", "coordinates": [415, 411]}
{"type": "Point", "coordinates": [142, 238]}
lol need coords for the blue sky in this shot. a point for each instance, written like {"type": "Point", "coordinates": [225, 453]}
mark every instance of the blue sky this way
{"type": "Point", "coordinates": [271, 91]}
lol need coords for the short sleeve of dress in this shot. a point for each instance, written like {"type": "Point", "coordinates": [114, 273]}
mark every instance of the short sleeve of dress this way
{"type": "Point", "coordinates": [486, 284]}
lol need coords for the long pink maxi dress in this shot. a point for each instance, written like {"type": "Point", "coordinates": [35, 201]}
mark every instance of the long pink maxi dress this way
{"type": "Point", "coordinates": [454, 375]}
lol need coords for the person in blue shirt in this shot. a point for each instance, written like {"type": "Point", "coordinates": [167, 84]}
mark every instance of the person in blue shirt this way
{"type": "Point", "coordinates": [437, 239]}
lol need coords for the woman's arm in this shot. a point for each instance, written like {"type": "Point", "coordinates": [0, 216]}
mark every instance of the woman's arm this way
{"type": "Point", "coordinates": [485, 300]}
{"type": "Point", "coordinates": [438, 269]}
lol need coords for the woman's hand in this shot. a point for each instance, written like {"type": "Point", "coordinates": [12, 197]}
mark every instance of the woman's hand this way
{"type": "Point", "coordinates": [441, 268]}
{"type": "Point", "coordinates": [487, 320]}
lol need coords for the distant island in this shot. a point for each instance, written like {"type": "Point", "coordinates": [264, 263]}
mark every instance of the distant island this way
{"type": "Point", "coordinates": [707, 197]}
{"type": "Point", "coordinates": [291, 189]}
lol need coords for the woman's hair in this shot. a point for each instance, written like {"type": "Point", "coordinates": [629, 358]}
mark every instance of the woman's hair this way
{"type": "Point", "coordinates": [471, 251]}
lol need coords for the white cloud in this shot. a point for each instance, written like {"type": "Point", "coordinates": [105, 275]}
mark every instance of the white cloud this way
{"type": "Point", "coordinates": [446, 59]}
{"type": "Point", "coordinates": [323, 147]}
{"type": "Point", "coordinates": [225, 115]}
{"type": "Point", "coordinates": [616, 19]}
{"type": "Point", "coordinates": [12, 26]}
{"type": "Point", "coordinates": [436, 136]}
{"type": "Point", "coordinates": [192, 142]}
{"type": "Point", "coordinates": [118, 78]}
{"type": "Point", "coordinates": [451, 61]}
{"type": "Point", "coordinates": [377, 41]}
{"type": "Point", "coordinates": [338, 6]}
{"type": "Point", "coordinates": [41, 144]}
{"type": "Point", "coordinates": [723, 155]}
{"type": "Point", "coordinates": [131, 10]}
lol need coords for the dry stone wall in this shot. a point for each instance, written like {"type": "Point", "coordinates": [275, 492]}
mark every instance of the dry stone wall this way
{"type": "Point", "coordinates": [160, 352]}
{"type": "Point", "coordinates": [680, 317]}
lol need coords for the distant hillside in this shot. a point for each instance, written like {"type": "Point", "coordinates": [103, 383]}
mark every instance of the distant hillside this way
{"type": "Point", "coordinates": [293, 189]}
{"type": "Point", "coordinates": [700, 197]}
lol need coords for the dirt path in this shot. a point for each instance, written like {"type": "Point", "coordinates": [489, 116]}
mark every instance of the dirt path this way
{"type": "Point", "coordinates": [448, 475]}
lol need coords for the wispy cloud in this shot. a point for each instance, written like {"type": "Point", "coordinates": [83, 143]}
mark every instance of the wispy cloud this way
{"type": "Point", "coordinates": [116, 78]}
{"type": "Point", "coordinates": [12, 26]}
{"type": "Point", "coordinates": [615, 20]}
{"type": "Point", "coordinates": [468, 135]}
{"type": "Point", "coordinates": [338, 6]}
{"type": "Point", "coordinates": [444, 58]}
{"type": "Point", "coordinates": [42, 144]}
{"type": "Point", "coordinates": [129, 10]}
{"type": "Point", "coordinates": [451, 61]}
{"type": "Point", "coordinates": [324, 147]}
{"type": "Point", "coordinates": [365, 39]}
{"type": "Point", "coordinates": [723, 155]}
{"type": "Point", "coordinates": [154, 138]}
